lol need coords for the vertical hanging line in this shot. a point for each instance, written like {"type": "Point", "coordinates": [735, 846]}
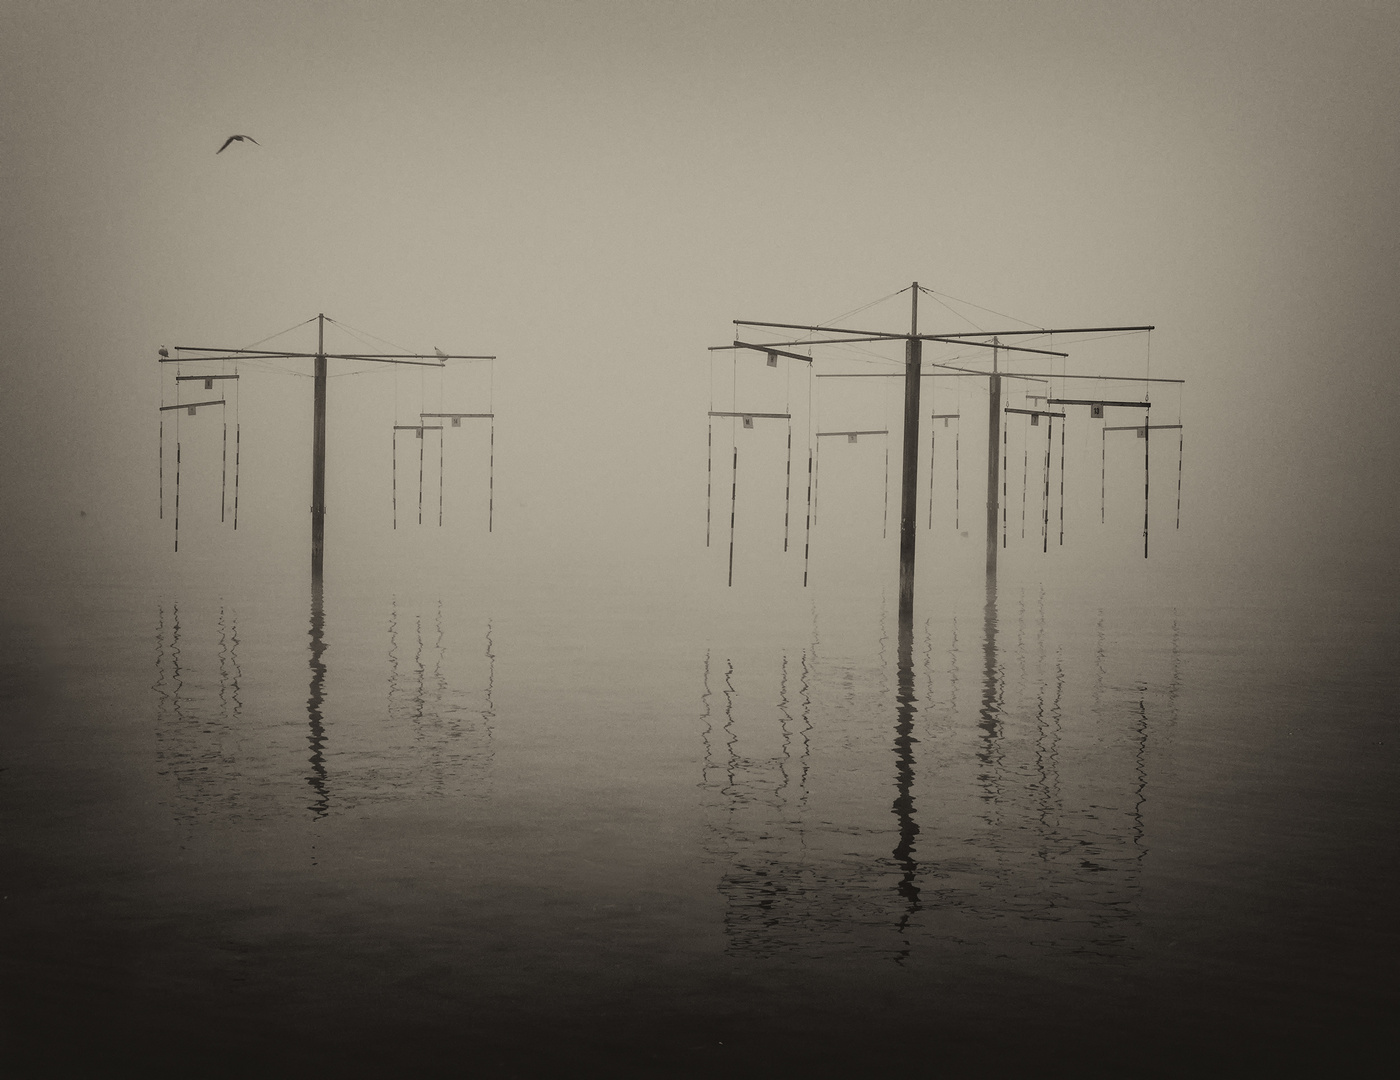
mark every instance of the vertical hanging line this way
{"type": "Point", "coordinates": [709, 470]}
{"type": "Point", "coordinates": [957, 474]}
{"type": "Point", "coordinates": [491, 490]}
{"type": "Point", "coordinates": [223, 476]}
{"type": "Point", "coordinates": [442, 435]}
{"type": "Point", "coordinates": [787, 484]}
{"type": "Point", "coordinates": [885, 524]}
{"type": "Point", "coordinates": [237, 440]}
{"type": "Point", "coordinates": [932, 448]}
{"type": "Point", "coordinates": [1103, 473]}
{"type": "Point", "coordinates": [1045, 501]}
{"type": "Point", "coordinates": [787, 490]}
{"type": "Point", "coordinates": [1146, 481]}
{"type": "Point", "coordinates": [160, 462]}
{"type": "Point", "coordinates": [1004, 427]}
{"type": "Point", "coordinates": [1025, 479]}
{"type": "Point", "coordinates": [1180, 457]}
{"type": "Point", "coordinates": [237, 453]}
{"type": "Point", "coordinates": [422, 438]}
{"type": "Point", "coordinates": [394, 475]}
{"type": "Point", "coordinates": [733, 500]}
{"type": "Point", "coordinates": [1062, 483]}
{"type": "Point", "coordinates": [807, 545]}
{"type": "Point", "coordinates": [177, 485]}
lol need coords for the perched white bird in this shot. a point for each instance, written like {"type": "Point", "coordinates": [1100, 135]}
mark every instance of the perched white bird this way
{"type": "Point", "coordinates": [234, 139]}
{"type": "Point", "coordinates": [439, 352]}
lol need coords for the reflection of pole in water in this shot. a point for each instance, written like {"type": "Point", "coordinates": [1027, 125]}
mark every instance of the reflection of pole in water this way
{"type": "Point", "coordinates": [904, 741]}
{"type": "Point", "coordinates": [316, 735]}
{"type": "Point", "coordinates": [990, 711]}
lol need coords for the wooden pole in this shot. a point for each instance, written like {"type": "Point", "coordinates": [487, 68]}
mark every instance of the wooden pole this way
{"type": "Point", "coordinates": [913, 364]}
{"type": "Point", "coordinates": [318, 458]}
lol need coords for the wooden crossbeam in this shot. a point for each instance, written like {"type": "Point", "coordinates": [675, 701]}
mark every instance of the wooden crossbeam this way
{"type": "Point", "coordinates": [1092, 401]}
{"type": "Point", "coordinates": [192, 405]}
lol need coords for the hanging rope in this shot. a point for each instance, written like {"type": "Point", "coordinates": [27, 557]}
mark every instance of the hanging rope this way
{"type": "Point", "coordinates": [709, 471]}
{"type": "Point", "coordinates": [1180, 457]}
{"type": "Point", "coordinates": [1062, 484]}
{"type": "Point", "coordinates": [807, 545]}
{"type": "Point", "coordinates": [237, 440]}
{"type": "Point", "coordinates": [1025, 479]}
{"type": "Point", "coordinates": [422, 438]}
{"type": "Point", "coordinates": [491, 491]}
{"type": "Point", "coordinates": [957, 477]}
{"type": "Point", "coordinates": [787, 490]}
{"type": "Point", "coordinates": [223, 476]}
{"type": "Point", "coordinates": [160, 459]}
{"type": "Point", "coordinates": [394, 473]}
{"type": "Point", "coordinates": [1045, 501]}
{"type": "Point", "coordinates": [1146, 481]}
{"type": "Point", "coordinates": [733, 500]}
{"type": "Point", "coordinates": [177, 485]}
{"type": "Point", "coordinates": [442, 437]}
{"type": "Point", "coordinates": [932, 447]}
{"type": "Point", "coordinates": [1004, 426]}
{"type": "Point", "coordinates": [885, 524]}
{"type": "Point", "coordinates": [1103, 473]}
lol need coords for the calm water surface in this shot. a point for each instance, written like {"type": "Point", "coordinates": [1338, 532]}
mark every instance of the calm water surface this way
{"type": "Point", "coordinates": [518, 831]}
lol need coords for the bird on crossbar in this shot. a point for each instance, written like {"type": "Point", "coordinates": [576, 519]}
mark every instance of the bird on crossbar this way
{"type": "Point", "coordinates": [236, 138]}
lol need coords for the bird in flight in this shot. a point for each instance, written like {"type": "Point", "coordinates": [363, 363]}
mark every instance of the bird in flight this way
{"type": "Point", "coordinates": [234, 139]}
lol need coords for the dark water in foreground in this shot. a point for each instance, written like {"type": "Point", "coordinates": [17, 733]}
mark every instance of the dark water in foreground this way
{"type": "Point", "coordinates": [517, 833]}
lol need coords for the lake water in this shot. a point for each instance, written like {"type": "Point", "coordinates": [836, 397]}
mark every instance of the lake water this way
{"type": "Point", "coordinates": [675, 829]}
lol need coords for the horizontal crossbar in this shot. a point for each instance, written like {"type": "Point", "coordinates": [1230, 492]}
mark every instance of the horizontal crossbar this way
{"type": "Point", "coordinates": [1086, 401]}
{"type": "Point", "coordinates": [884, 431]}
{"type": "Point", "coordinates": [192, 405]}
{"type": "Point", "coordinates": [761, 415]}
{"type": "Point", "coordinates": [1034, 412]}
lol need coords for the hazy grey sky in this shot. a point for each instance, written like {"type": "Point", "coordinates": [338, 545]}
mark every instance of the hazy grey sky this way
{"type": "Point", "coordinates": [593, 190]}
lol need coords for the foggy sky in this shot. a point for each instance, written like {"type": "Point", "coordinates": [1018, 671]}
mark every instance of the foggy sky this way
{"type": "Point", "coordinates": [593, 191]}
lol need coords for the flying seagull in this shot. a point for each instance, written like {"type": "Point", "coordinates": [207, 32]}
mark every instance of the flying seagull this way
{"type": "Point", "coordinates": [236, 138]}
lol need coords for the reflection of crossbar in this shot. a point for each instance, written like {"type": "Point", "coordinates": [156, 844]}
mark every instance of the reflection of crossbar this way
{"type": "Point", "coordinates": [759, 415]}
{"type": "Point", "coordinates": [1034, 412]}
{"type": "Point", "coordinates": [457, 415]}
{"type": "Point", "coordinates": [192, 405]}
{"type": "Point", "coordinates": [417, 427]}
{"type": "Point", "coordinates": [882, 431]}
{"type": "Point", "coordinates": [1147, 427]}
